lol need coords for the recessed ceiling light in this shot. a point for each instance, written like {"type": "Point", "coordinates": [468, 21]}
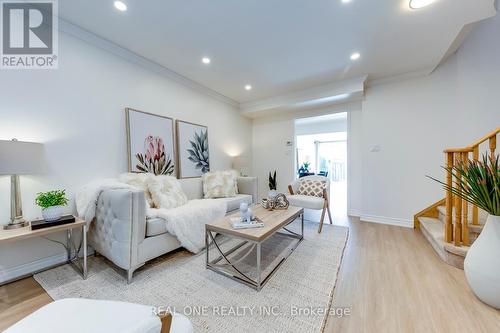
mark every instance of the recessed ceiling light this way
{"type": "Point", "coordinates": [120, 5]}
{"type": "Point", "coordinates": [205, 60]}
{"type": "Point", "coordinates": [416, 4]}
{"type": "Point", "coordinates": [248, 87]}
{"type": "Point", "coordinates": [346, 1]}
{"type": "Point", "coordinates": [355, 56]}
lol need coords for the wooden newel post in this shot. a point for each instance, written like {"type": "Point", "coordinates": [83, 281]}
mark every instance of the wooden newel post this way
{"type": "Point", "coordinates": [475, 210]}
{"type": "Point", "coordinates": [465, 207]}
{"type": "Point", "coordinates": [493, 146]}
{"type": "Point", "coordinates": [458, 208]}
{"type": "Point", "coordinates": [448, 227]}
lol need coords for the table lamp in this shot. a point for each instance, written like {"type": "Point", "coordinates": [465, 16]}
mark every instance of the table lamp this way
{"type": "Point", "coordinates": [241, 164]}
{"type": "Point", "coordinates": [19, 158]}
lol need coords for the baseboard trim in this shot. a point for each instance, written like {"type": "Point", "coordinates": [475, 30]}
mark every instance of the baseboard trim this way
{"type": "Point", "coordinates": [30, 268]}
{"type": "Point", "coordinates": [387, 220]}
{"type": "Point", "coordinates": [354, 212]}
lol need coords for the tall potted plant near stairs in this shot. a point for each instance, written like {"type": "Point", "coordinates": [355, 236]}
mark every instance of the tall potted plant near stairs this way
{"type": "Point", "coordinates": [478, 182]}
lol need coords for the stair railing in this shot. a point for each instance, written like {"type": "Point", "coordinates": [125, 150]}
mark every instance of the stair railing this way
{"type": "Point", "coordinates": [457, 230]}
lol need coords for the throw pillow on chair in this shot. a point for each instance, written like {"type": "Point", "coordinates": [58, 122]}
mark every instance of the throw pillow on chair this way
{"type": "Point", "coordinates": [312, 187]}
{"type": "Point", "coordinates": [311, 192]}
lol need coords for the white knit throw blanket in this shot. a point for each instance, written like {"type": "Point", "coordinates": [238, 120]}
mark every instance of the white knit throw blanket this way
{"type": "Point", "coordinates": [86, 197]}
{"type": "Point", "coordinates": [186, 222]}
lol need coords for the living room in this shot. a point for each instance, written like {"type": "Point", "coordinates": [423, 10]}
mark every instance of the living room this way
{"type": "Point", "coordinates": [155, 125]}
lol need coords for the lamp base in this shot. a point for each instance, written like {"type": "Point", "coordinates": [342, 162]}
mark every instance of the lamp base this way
{"type": "Point", "coordinates": [16, 225]}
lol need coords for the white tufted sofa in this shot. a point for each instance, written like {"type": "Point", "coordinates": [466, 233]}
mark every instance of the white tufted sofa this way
{"type": "Point", "coordinates": [122, 233]}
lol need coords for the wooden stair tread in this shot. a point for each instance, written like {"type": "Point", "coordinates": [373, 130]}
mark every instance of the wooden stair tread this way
{"type": "Point", "coordinates": [458, 250]}
{"type": "Point", "coordinates": [433, 230]}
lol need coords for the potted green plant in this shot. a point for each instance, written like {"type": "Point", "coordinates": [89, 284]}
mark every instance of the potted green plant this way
{"type": "Point", "coordinates": [478, 182]}
{"type": "Point", "coordinates": [306, 165]}
{"type": "Point", "coordinates": [272, 185]}
{"type": "Point", "coordinates": [52, 204]}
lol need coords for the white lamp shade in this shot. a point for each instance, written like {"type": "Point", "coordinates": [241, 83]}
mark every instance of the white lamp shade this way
{"type": "Point", "coordinates": [241, 163]}
{"type": "Point", "coordinates": [21, 158]}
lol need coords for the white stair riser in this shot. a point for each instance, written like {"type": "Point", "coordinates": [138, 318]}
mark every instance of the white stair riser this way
{"type": "Point", "coordinates": [482, 216]}
{"type": "Point", "coordinates": [474, 230]}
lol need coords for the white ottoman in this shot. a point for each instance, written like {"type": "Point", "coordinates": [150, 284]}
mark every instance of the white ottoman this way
{"type": "Point", "coordinates": [78, 315]}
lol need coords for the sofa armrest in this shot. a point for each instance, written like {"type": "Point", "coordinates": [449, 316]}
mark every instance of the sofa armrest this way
{"type": "Point", "coordinates": [119, 226]}
{"type": "Point", "coordinates": [249, 185]}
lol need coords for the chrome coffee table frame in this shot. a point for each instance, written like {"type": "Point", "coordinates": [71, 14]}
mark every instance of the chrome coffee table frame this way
{"type": "Point", "coordinates": [229, 267]}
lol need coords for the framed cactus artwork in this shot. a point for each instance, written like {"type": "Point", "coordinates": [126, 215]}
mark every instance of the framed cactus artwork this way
{"type": "Point", "coordinates": [150, 143]}
{"type": "Point", "coordinates": [192, 149]}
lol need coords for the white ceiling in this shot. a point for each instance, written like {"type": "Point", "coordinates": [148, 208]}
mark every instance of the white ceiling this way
{"type": "Point", "coordinates": [279, 46]}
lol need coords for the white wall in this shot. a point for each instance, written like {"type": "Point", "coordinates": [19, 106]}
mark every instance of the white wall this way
{"type": "Point", "coordinates": [479, 78]}
{"type": "Point", "coordinates": [269, 150]}
{"type": "Point", "coordinates": [78, 112]}
{"type": "Point", "coordinates": [355, 162]}
{"type": "Point", "coordinates": [412, 121]}
{"type": "Point", "coordinates": [321, 126]}
{"type": "Point", "coordinates": [271, 153]}
{"type": "Point", "coordinates": [409, 121]}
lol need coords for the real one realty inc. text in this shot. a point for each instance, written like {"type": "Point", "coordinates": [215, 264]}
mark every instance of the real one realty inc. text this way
{"type": "Point", "coordinates": [266, 311]}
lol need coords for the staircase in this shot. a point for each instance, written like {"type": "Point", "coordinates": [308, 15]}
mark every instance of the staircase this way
{"type": "Point", "coordinates": [451, 225]}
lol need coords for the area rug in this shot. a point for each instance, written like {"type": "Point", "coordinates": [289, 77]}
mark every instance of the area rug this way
{"type": "Point", "coordinates": [297, 298]}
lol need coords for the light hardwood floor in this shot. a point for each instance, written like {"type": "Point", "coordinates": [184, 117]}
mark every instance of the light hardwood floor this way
{"type": "Point", "coordinates": [394, 282]}
{"type": "Point", "coordinates": [390, 278]}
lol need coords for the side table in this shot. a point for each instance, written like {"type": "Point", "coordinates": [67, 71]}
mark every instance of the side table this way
{"type": "Point", "coordinates": [9, 236]}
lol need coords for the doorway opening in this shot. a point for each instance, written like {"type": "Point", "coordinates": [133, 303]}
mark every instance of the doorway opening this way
{"type": "Point", "coordinates": [321, 149]}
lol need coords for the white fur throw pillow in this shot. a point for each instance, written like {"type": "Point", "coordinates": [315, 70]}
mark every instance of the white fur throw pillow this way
{"type": "Point", "coordinates": [166, 192]}
{"type": "Point", "coordinates": [138, 180]}
{"type": "Point", "coordinates": [220, 184]}
{"type": "Point", "coordinates": [236, 175]}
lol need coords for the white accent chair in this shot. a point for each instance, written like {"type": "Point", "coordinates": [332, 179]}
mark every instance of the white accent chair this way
{"type": "Point", "coordinates": [78, 315]}
{"type": "Point", "coordinates": [311, 202]}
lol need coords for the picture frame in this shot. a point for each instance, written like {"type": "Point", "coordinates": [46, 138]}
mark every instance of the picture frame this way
{"type": "Point", "coordinates": [193, 154]}
{"type": "Point", "coordinates": [150, 143]}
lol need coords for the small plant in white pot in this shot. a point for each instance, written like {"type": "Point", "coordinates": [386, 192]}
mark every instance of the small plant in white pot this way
{"type": "Point", "coordinates": [52, 204]}
{"type": "Point", "coordinates": [478, 182]}
{"type": "Point", "coordinates": [272, 186]}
